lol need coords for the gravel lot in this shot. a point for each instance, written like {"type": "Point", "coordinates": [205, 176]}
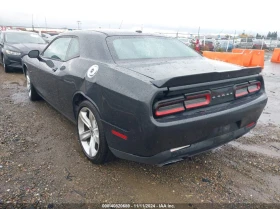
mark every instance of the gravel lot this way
{"type": "Point", "coordinates": [41, 161]}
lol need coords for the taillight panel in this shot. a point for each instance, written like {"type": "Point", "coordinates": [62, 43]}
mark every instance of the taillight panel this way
{"type": "Point", "coordinates": [180, 104]}
{"type": "Point", "coordinates": [205, 98]}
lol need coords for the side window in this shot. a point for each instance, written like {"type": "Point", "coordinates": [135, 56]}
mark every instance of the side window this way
{"type": "Point", "coordinates": [74, 49]}
{"type": "Point", "coordinates": [58, 49]}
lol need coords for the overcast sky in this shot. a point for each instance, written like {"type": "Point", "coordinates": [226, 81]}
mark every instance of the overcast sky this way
{"type": "Point", "coordinates": [186, 16]}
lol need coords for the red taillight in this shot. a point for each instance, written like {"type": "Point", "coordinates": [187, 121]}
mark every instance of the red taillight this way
{"type": "Point", "coordinates": [180, 104]}
{"type": "Point", "coordinates": [169, 106]}
{"type": "Point", "coordinates": [243, 90]}
{"type": "Point", "coordinates": [199, 100]}
{"type": "Point", "coordinates": [254, 87]}
{"type": "Point", "coordinates": [170, 109]}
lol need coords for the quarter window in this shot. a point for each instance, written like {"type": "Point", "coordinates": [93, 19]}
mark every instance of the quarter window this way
{"type": "Point", "coordinates": [73, 50]}
{"type": "Point", "coordinates": [58, 49]}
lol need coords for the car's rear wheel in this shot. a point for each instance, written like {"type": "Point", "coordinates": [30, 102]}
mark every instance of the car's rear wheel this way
{"type": "Point", "coordinates": [91, 134]}
{"type": "Point", "coordinates": [32, 93]}
{"type": "Point", "coordinates": [6, 68]}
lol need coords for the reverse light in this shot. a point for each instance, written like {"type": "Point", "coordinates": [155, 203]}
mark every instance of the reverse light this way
{"type": "Point", "coordinates": [198, 100]}
{"type": "Point", "coordinates": [12, 52]}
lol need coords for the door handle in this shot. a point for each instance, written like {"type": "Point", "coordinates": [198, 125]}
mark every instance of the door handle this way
{"type": "Point", "coordinates": [54, 69]}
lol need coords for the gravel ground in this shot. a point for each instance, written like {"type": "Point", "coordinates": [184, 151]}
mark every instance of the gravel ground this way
{"type": "Point", "coordinates": [41, 161]}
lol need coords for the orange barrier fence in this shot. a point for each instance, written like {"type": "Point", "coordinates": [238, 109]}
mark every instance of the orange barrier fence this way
{"type": "Point", "coordinates": [242, 57]}
{"type": "Point", "coordinates": [276, 56]}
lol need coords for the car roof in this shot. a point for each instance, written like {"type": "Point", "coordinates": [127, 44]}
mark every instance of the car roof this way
{"type": "Point", "coordinates": [108, 32]}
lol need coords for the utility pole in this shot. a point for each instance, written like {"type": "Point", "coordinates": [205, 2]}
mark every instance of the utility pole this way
{"type": "Point", "coordinates": [220, 33]}
{"type": "Point", "coordinates": [79, 23]}
{"type": "Point", "coordinates": [32, 23]}
{"type": "Point", "coordinates": [46, 23]}
{"type": "Point", "coordinates": [121, 25]}
{"type": "Point", "coordinates": [233, 39]}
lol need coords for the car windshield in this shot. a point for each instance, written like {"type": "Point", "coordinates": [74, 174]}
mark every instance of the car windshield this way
{"type": "Point", "coordinates": [129, 48]}
{"type": "Point", "coordinates": [24, 38]}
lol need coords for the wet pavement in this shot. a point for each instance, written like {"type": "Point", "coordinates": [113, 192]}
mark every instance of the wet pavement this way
{"type": "Point", "coordinates": [40, 160]}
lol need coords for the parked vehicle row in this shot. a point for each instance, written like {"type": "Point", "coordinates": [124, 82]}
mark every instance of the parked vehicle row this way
{"type": "Point", "coordinates": [141, 97]}
{"type": "Point", "coordinates": [228, 45]}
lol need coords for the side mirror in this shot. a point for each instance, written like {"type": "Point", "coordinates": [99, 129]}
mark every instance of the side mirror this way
{"type": "Point", "coordinates": [34, 54]}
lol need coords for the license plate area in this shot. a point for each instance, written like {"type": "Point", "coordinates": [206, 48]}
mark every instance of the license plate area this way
{"type": "Point", "coordinates": [221, 130]}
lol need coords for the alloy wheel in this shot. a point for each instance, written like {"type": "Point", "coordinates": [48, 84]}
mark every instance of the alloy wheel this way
{"type": "Point", "coordinates": [88, 132]}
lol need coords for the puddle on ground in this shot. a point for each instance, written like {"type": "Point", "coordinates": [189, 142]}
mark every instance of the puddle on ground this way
{"type": "Point", "coordinates": [271, 150]}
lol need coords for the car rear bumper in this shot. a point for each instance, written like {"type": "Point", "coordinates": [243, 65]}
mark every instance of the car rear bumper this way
{"type": "Point", "coordinates": [175, 155]}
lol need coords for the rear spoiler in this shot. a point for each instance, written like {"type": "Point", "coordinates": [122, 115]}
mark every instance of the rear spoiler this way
{"type": "Point", "coordinates": [205, 77]}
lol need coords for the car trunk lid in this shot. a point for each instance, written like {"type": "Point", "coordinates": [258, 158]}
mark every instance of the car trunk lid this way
{"type": "Point", "coordinates": [172, 73]}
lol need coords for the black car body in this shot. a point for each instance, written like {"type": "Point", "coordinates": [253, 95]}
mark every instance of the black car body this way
{"type": "Point", "coordinates": [14, 45]}
{"type": "Point", "coordinates": [152, 110]}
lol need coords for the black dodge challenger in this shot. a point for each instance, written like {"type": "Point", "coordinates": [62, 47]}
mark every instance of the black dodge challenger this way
{"type": "Point", "coordinates": [142, 97]}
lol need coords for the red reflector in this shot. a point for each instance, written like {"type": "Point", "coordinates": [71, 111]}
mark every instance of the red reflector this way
{"type": "Point", "coordinates": [254, 87]}
{"type": "Point", "coordinates": [197, 100]}
{"type": "Point", "coordinates": [250, 125]}
{"type": "Point", "coordinates": [119, 134]}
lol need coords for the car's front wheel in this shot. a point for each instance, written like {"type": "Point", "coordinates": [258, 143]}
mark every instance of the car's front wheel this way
{"type": "Point", "coordinates": [32, 93]}
{"type": "Point", "coordinates": [91, 134]}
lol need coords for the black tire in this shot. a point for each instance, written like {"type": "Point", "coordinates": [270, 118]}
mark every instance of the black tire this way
{"type": "Point", "coordinates": [103, 154]}
{"type": "Point", "coordinates": [32, 93]}
{"type": "Point", "coordinates": [6, 68]}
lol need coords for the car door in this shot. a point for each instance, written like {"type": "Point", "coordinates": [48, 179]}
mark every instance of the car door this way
{"type": "Point", "coordinates": [46, 74]}
{"type": "Point", "coordinates": [69, 78]}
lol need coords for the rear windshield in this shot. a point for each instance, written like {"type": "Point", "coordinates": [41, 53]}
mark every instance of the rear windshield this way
{"type": "Point", "coordinates": [146, 47]}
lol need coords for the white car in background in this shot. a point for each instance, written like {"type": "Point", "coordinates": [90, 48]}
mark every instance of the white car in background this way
{"type": "Point", "coordinates": [271, 44]}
